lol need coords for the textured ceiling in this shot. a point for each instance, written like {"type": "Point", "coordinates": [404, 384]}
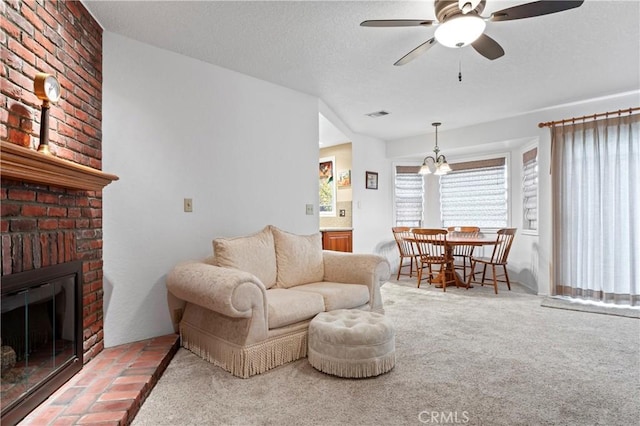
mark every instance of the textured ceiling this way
{"type": "Point", "coordinates": [318, 47]}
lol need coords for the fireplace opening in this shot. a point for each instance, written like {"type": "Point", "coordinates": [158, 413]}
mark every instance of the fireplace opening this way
{"type": "Point", "coordinates": [41, 335]}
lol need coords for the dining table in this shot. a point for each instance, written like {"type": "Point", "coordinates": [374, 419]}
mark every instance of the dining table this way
{"type": "Point", "coordinates": [465, 241]}
{"type": "Point", "coordinates": [452, 277]}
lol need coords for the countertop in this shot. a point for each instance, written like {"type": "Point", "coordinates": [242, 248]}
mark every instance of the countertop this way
{"type": "Point", "coordinates": [336, 228]}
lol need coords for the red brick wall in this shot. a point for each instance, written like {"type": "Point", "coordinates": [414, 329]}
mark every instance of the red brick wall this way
{"type": "Point", "coordinates": [44, 225]}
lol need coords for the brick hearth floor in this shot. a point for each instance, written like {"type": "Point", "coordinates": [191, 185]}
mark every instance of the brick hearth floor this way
{"type": "Point", "coordinates": [110, 388]}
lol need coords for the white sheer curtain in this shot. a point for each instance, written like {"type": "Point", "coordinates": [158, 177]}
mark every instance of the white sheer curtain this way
{"type": "Point", "coordinates": [596, 209]}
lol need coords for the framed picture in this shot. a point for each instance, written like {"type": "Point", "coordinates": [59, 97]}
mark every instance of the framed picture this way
{"type": "Point", "coordinates": [344, 179]}
{"type": "Point", "coordinates": [372, 180]}
{"type": "Point", "coordinates": [327, 186]}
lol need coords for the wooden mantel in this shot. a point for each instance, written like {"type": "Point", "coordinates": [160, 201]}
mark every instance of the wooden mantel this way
{"type": "Point", "coordinates": [28, 165]}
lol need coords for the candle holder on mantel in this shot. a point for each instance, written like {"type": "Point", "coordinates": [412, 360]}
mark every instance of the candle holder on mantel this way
{"type": "Point", "coordinates": [47, 88]}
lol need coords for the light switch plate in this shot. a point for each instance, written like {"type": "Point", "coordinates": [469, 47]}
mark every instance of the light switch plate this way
{"type": "Point", "coordinates": [188, 205]}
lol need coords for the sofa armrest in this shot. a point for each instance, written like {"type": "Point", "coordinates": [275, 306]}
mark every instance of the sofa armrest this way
{"type": "Point", "coordinates": [371, 270]}
{"type": "Point", "coordinates": [230, 292]}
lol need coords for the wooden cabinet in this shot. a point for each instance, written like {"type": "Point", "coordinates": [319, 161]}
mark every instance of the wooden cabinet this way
{"type": "Point", "coordinates": [337, 240]}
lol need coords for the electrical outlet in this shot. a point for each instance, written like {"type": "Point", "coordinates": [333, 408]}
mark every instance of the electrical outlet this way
{"type": "Point", "coordinates": [309, 209]}
{"type": "Point", "coordinates": [177, 315]}
{"type": "Point", "coordinates": [343, 213]}
{"type": "Point", "coordinates": [188, 205]}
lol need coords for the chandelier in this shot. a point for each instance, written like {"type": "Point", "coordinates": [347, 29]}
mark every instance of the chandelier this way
{"type": "Point", "coordinates": [439, 161]}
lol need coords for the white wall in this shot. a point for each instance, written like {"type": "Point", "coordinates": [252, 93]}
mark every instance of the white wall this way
{"type": "Point", "coordinates": [175, 128]}
{"type": "Point", "coordinates": [530, 260]}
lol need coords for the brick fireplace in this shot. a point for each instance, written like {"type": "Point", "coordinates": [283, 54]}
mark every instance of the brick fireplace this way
{"type": "Point", "coordinates": [45, 224]}
{"type": "Point", "coordinates": [52, 213]}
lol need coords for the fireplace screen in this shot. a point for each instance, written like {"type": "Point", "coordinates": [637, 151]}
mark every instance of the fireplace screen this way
{"type": "Point", "coordinates": [41, 335]}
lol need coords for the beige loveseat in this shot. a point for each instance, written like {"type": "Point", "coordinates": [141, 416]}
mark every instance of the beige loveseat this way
{"type": "Point", "coordinates": [248, 307]}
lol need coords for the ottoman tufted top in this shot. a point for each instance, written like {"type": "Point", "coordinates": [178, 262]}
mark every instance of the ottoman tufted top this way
{"type": "Point", "coordinates": [351, 343]}
{"type": "Point", "coordinates": [352, 327]}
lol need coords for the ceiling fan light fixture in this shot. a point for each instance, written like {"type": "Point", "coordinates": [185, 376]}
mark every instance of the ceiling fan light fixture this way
{"type": "Point", "coordinates": [460, 31]}
{"type": "Point", "coordinates": [460, 23]}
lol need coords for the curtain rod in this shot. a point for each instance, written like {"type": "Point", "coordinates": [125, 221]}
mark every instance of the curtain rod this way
{"type": "Point", "coordinates": [586, 117]}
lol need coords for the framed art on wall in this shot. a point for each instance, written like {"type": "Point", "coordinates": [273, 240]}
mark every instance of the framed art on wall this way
{"type": "Point", "coordinates": [327, 186]}
{"type": "Point", "coordinates": [371, 180]}
{"type": "Point", "coordinates": [344, 179]}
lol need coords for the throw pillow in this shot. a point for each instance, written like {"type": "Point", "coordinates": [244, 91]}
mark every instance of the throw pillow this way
{"type": "Point", "coordinates": [298, 258]}
{"type": "Point", "coordinates": [254, 253]}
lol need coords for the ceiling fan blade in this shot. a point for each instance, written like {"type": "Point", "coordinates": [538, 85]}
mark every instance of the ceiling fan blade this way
{"type": "Point", "coordinates": [416, 52]}
{"type": "Point", "coordinates": [488, 47]}
{"type": "Point", "coordinates": [536, 8]}
{"type": "Point", "coordinates": [397, 23]}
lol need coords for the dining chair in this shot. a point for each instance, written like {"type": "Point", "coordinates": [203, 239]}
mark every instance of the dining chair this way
{"type": "Point", "coordinates": [498, 258]}
{"type": "Point", "coordinates": [432, 250]}
{"type": "Point", "coordinates": [462, 252]}
{"type": "Point", "coordinates": [405, 247]}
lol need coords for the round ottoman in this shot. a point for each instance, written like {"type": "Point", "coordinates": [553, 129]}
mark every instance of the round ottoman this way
{"type": "Point", "coordinates": [352, 343]}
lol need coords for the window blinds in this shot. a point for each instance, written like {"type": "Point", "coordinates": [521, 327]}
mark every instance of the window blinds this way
{"type": "Point", "coordinates": [409, 200]}
{"type": "Point", "coordinates": [530, 189]}
{"type": "Point", "coordinates": [475, 194]}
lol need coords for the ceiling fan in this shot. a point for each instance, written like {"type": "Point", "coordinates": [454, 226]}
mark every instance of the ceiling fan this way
{"type": "Point", "coordinates": [459, 24]}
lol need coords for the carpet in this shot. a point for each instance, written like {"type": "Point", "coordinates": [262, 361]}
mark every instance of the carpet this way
{"type": "Point", "coordinates": [462, 357]}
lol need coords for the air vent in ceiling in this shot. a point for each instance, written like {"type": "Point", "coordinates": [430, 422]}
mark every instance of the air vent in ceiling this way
{"type": "Point", "coordinates": [377, 114]}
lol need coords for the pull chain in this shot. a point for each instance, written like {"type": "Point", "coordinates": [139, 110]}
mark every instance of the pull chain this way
{"type": "Point", "coordinates": [460, 71]}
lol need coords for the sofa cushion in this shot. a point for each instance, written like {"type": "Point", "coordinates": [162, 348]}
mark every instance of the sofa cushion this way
{"type": "Point", "coordinates": [253, 253]}
{"type": "Point", "coordinates": [291, 306]}
{"type": "Point", "coordinates": [298, 257]}
{"type": "Point", "coordinates": [338, 295]}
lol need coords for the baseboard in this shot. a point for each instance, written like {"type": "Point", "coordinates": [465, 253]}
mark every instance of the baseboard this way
{"type": "Point", "coordinates": [591, 307]}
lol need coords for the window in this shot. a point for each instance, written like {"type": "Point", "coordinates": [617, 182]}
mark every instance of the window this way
{"type": "Point", "coordinates": [327, 186]}
{"type": "Point", "coordinates": [475, 193]}
{"type": "Point", "coordinates": [409, 190]}
{"type": "Point", "coordinates": [530, 190]}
